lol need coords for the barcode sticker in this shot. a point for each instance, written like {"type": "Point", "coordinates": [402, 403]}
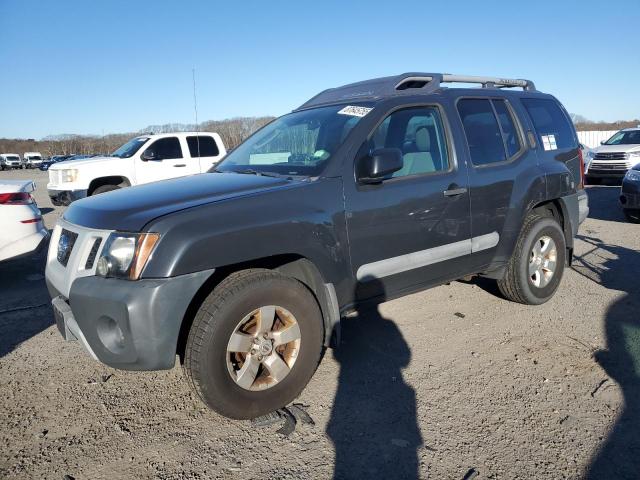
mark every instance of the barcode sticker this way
{"type": "Point", "coordinates": [549, 142]}
{"type": "Point", "coordinates": [355, 111]}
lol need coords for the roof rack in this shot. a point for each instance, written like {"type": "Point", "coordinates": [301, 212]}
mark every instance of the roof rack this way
{"type": "Point", "coordinates": [409, 83]}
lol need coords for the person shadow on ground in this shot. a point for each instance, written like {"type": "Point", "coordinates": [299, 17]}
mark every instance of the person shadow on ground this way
{"type": "Point", "coordinates": [373, 424]}
{"type": "Point", "coordinates": [619, 455]}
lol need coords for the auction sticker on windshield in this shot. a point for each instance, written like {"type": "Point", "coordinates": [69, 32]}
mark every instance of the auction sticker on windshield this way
{"type": "Point", "coordinates": [355, 111]}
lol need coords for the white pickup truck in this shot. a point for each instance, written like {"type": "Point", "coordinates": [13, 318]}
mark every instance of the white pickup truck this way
{"type": "Point", "coordinates": [143, 159]}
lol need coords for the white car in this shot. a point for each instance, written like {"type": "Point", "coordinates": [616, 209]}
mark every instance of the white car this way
{"type": "Point", "coordinates": [144, 159]}
{"type": "Point", "coordinates": [614, 157]}
{"type": "Point", "coordinates": [21, 227]}
{"type": "Point", "coordinates": [32, 159]}
{"type": "Point", "coordinates": [10, 160]}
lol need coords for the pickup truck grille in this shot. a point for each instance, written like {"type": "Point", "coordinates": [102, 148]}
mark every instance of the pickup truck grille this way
{"type": "Point", "coordinates": [610, 156]}
{"type": "Point", "coordinates": [55, 177]}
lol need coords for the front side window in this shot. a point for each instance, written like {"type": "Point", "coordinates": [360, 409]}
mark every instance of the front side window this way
{"type": "Point", "coordinates": [300, 143]}
{"type": "Point", "coordinates": [130, 148]}
{"type": "Point", "coordinates": [551, 124]}
{"type": "Point", "coordinates": [165, 148]}
{"type": "Point", "coordinates": [419, 134]}
{"type": "Point", "coordinates": [202, 146]}
{"type": "Point", "coordinates": [484, 138]}
{"type": "Point", "coordinates": [629, 137]}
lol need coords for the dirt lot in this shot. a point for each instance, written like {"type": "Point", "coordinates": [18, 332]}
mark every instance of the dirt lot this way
{"type": "Point", "coordinates": [432, 385]}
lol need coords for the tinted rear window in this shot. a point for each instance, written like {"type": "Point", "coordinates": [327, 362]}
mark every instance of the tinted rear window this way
{"type": "Point", "coordinates": [549, 120]}
{"type": "Point", "coordinates": [202, 146]}
{"type": "Point", "coordinates": [482, 131]}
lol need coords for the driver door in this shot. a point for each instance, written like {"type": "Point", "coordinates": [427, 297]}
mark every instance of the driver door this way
{"type": "Point", "coordinates": [161, 160]}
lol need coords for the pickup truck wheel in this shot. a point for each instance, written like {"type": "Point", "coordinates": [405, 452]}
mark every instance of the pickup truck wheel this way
{"type": "Point", "coordinates": [104, 189]}
{"type": "Point", "coordinates": [633, 215]}
{"type": "Point", "coordinates": [537, 263]}
{"type": "Point", "coordinates": [254, 344]}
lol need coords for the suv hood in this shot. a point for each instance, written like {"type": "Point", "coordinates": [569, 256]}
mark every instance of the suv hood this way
{"type": "Point", "coordinates": [130, 209]}
{"type": "Point", "coordinates": [617, 148]}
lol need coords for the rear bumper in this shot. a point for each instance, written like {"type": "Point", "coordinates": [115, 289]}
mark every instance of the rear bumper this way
{"type": "Point", "coordinates": [630, 194]}
{"type": "Point", "coordinates": [583, 206]}
{"type": "Point", "coordinates": [26, 245]}
{"type": "Point", "coordinates": [65, 197]}
{"type": "Point", "coordinates": [124, 324]}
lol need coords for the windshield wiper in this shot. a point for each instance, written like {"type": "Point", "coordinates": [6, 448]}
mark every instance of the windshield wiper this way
{"type": "Point", "coordinates": [250, 171]}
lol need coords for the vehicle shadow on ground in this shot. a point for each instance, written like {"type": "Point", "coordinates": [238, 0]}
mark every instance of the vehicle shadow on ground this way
{"type": "Point", "coordinates": [619, 456]}
{"type": "Point", "coordinates": [24, 304]}
{"type": "Point", "coordinates": [604, 203]}
{"type": "Point", "coordinates": [373, 424]}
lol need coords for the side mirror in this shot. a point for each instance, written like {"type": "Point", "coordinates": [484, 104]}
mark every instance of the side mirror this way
{"type": "Point", "coordinates": [379, 165]}
{"type": "Point", "coordinates": [603, 142]}
{"type": "Point", "coordinates": [148, 155]}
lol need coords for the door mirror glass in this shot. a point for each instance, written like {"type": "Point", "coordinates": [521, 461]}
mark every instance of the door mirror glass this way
{"type": "Point", "coordinates": [148, 154]}
{"type": "Point", "coordinates": [379, 165]}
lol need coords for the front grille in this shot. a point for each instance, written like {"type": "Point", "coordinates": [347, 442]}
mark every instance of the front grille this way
{"type": "Point", "coordinates": [92, 254]}
{"type": "Point", "coordinates": [65, 245]}
{"type": "Point", "coordinates": [610, 166]}
{"type": "Point", "coordinates": [610, 156]}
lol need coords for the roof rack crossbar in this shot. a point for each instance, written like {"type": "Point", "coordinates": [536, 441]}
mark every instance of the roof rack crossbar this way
{"type": "Point", "coordinates": [434, 81]}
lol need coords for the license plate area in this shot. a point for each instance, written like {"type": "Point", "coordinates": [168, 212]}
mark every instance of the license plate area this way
{"type": "Point", "coordinates": [62, 313]}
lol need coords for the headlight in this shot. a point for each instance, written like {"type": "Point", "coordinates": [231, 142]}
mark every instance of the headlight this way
{"type": "Point", "coordinates": [633, 175]}
{"type": "Point", "coordinates": [635, 154]}
{"type": "Point", "coordinates": [69, 175]}
{"type": "Point", "coordinates": [125, 254]}
{"type": "Point", "coordinates": [590, 155]}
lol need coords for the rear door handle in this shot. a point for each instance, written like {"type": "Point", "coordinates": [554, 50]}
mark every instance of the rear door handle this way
{"type": "Point", "coordinates": [454, 192]}
{"type": "Point", "coordinates": [180, 165]}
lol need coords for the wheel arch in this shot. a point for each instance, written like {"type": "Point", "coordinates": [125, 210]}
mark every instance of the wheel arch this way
{"type": "Point", "coordinates": [118, 180]}
{"type": "Point", "coordinates": [291, 265]}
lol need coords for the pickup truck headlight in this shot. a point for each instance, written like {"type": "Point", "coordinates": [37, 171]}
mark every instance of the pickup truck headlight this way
{"type": "Point", "coordinates": [633, 175]}
{"type": "Point", "coordinates": [635, 154]}
{"type": "Point", "coordinates": [69, 175]}
{"type": "Point", "coordinates": [125, 254]}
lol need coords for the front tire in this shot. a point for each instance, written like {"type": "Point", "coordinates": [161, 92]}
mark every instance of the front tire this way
{"type": "Point", "coordinates": [537, 263]}
{"type": "Point", "coordinates": [254, 343]}
{"type": "Point", "coordinates": [632, 215]}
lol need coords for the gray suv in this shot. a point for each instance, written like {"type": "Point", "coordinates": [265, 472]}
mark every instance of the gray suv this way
{"type": "Point", "coordinates": [366, 192]}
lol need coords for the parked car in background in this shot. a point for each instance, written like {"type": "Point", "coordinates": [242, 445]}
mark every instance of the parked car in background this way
{"type": "Point", "coordinates": [614, 157]}
{"type": "Point", "coordinates": [21, 228]}
{"type": "Point", "coordinates": [630, 194]}
{"type": "Point", "coordinates": [10, 160]}
{"type": "Point", "coordinates": [366, 192]}
{"type": "Point", "coordinates": [54, 159]}
{"type": "Point", "coordinates": [32, 159]}
{"type": "Point", "coordinates": [144, 159]}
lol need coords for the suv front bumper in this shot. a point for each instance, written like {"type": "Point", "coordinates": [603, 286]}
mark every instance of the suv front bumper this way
{"type": "Point", "coordinates": [131, 325]}
{"type": "Point", "coordinates": [630, 194]}
{"type": "Point", "coordinates": [65, 197]}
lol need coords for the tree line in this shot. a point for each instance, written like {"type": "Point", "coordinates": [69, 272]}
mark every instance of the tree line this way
{"type": "Point", "coordinates": [233, 131]}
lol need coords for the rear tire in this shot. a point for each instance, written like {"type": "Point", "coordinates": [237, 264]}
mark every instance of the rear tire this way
{"type": "Point", "coordinates": [214, 368]}
{"type": "Point", "coordinates": [632, 214]}
{"type": "Point", "coordinates": [537, 262]}
{"type": "Point", "coordinates": [104, 189]}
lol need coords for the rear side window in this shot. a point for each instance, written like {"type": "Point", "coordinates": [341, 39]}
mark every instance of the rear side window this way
{"type": "Point", "coordinates": [166, 148]}
{"type": "Point", "coordinates": [509, 130]}
{"type": "Point", "coordinates": [202, 146]}
{"type": "Point", "coordinates": [482, 131]}
{"type": "Point", "coordinates": [551, 124]}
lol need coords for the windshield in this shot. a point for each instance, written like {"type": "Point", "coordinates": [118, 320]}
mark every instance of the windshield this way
{"type": "Point", "coordinates": [299, 143]}
{"type": "Point", "coordinates": [130, 148]}
{"type": "Point", "coordinates": [13, 158]}
{"type": "Point", "coordinates": [629, 137]}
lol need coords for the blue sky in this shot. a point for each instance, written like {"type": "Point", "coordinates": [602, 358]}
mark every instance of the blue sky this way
{"type": "Point", "coordinates": [90, 67]}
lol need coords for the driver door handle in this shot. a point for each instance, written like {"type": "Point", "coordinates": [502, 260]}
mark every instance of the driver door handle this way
{"type": "Point", "coordinates": [454, 192]}
{"type": "Point", "coordinates": [180, 165]}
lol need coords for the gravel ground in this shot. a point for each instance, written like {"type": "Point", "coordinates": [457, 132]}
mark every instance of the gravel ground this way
{"type": "Point", "coordinates": [450, 382]}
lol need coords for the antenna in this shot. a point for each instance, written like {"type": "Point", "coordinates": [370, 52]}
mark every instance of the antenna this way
{"type": "Point", "coordinates": [195, 109]}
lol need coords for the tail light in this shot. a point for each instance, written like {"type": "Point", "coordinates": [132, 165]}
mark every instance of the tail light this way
{"type": "Point", "coordinates": [581, 163]}
{"type": "Point", "coordinates": [18, 198]}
